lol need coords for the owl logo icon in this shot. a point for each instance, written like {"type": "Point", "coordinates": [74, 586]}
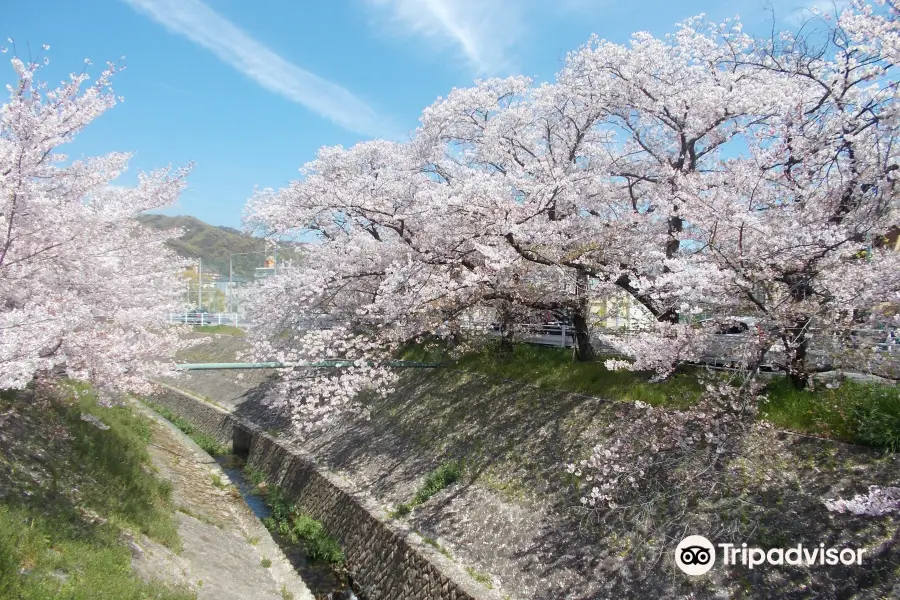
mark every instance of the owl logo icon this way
{"type": "Point", "coordinates": [695, 555]}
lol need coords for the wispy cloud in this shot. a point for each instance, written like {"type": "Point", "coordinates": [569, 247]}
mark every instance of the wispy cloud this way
{"type": "Point", "coordinates": [484, 31]}
{"type": "Point", "coordinates": [203, 26]}
{"type": "Point", "coordinates": [798, 15]}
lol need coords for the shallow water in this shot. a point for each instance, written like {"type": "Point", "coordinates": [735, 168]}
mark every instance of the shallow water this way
{"type": "Point", "coordinates": [319, 577]}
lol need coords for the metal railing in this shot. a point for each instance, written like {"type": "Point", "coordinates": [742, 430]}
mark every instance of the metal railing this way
{"type": "Point", "coordinates": [722, 348]}
{"type": "Point", "coordinates": [198, 318]}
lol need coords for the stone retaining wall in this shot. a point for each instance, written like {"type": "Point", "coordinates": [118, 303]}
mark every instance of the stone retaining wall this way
{"type": "Point", "coordinates": [387, 560]}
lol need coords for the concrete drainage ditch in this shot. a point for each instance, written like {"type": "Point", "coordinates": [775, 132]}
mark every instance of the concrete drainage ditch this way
{"type": "Point", "coordinates": [385, 559]}
{"type": "Point", "coordinates": [325, 582]}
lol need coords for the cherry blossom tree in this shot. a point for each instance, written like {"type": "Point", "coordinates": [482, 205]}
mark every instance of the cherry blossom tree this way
{"type": "Point", "coordinates": [703, 171]}
{"type": "Point", "coordinates": [83, 286]}
{"type": "Point", "coordinates": [788, 228]}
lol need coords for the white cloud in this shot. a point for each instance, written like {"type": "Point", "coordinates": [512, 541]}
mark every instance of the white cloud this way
{"type": "Point", "coordinates": [484, 31]}
{"type": "Point", "coordinates": [203, 26]}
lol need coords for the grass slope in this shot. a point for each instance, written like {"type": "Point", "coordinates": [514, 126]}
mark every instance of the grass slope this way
{"type": "Point", "coordinates": [864, 414]}
{"type": "Point", "coordinates": [70, 495]}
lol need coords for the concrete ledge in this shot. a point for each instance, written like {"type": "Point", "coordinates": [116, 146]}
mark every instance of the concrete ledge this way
{"type": "Point", "coordinates": [388, 561]}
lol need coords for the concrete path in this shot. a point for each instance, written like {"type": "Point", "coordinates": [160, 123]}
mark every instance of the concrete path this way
{"type": "Point", "coordinates": [227, 552]}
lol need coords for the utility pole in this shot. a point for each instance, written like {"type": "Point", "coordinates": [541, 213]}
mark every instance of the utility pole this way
{"type": "Point", "coordinates": [231, 256]}
{"type": "Point", "coordinates": [200, 287]}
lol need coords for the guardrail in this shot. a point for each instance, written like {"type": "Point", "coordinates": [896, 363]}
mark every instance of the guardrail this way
{"type": "Point", "coordinates": [723, 348]}
{"type": "Point", "coordinates": [198, 318]}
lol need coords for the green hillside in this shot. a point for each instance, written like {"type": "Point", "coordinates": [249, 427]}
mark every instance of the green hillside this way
{"type": "Point", "coordinates": [213, 245]}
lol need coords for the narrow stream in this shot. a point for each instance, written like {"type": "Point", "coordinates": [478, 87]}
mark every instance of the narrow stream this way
{"type": "Point", "coordinates": [320, 578]}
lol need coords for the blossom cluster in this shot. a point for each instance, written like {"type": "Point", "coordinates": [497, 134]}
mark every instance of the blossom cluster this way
{"type": "Point", "coordinates": [703, 171]}
{"type": "Point", "coordinates": [877, 502]}
{"type": "Point", "coordinates": [650, 445]}
{"type": "Point", "coordinates": [84, 286]}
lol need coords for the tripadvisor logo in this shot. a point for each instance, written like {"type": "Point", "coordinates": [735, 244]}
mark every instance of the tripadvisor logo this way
{"type": "Point", "coordinates": [696, 555]}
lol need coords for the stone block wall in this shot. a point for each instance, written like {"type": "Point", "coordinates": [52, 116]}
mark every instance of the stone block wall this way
{"type": "Point", "coordinates": [209, 419]}
{"type": "Point", "coordinates": [387, 560]}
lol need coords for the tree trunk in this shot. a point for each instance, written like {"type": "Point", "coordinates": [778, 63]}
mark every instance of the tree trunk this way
{"type": "Point", "coordinates": [800, 289]}
{"type": "Point", "coordinates": [584, 351]}
{"type": "Point", "coordinates": [506, 331]}
{"type": "Point", "coordinates": [669, 316]}
{"type": "Point", "coordinates": [797, 371]}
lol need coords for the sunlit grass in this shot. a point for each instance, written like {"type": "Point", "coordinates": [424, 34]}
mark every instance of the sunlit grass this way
{"type": "Point", "coordinates": [554, 368]}
{"type": "Point", "coordinates": [863, 414]}
{"type": "Point", "coordinates": [63, 539]}
{"type": "Point", "coordinates": [220, 329]}
{"type": "Point", "coordinates": [209, 444]}
{"type": "Point", "coordinates": [441, 478]}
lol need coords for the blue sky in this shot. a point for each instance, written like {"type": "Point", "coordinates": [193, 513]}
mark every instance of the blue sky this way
{"type": "Point", "coordinates": [250, 89]}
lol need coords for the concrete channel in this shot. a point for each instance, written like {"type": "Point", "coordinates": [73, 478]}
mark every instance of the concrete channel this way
{"type": "Point", "coordinates": [385, 559]}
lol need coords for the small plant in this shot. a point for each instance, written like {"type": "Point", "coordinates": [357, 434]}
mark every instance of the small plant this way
{"type": "Point", "coordinates": [441, 478]}
{"type": "Point", "coordinates": [289, 523]}
{"type": "Point", "coordinates": [436, 546]}
{"type": "Point", "coordinates": [319, 546]}
{"type": "Point", "coordinates": [208, 443]}
{"type": "Point", "coordinates": [285, 594]}
{"type": "Point", "coordinates": [482, 578]}
{"type": "Point", "coordinates": [217, 481]}
{"type": "Point", "coordinates": [254, 476]}
{"type": "Point", "coordinates": [266, 563]}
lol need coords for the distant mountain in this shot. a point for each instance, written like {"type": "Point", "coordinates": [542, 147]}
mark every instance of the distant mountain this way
{"type": "Point", "coordinates": [213, 245]}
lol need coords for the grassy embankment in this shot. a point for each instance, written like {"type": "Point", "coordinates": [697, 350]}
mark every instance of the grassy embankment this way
{"type": "Point", "coordinates": [864, 414]}
{"type": "Point", "coordinates": [69, 494]}
{"type": "Point", "coordinates": [220, 330]}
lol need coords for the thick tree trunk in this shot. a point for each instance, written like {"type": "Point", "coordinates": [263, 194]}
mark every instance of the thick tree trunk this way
{"type": "Point", "coordinates": [797, 368]}
{"type": "Point", "coordinates": [584, 351]}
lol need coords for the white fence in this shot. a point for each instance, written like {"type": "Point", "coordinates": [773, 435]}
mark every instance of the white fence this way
{"type": "Point", "coordinates": [878, 348]}
{"type": "Point", "coordinates": [198, 318]}
{"type": "Point", "coordinates": [858, 345]}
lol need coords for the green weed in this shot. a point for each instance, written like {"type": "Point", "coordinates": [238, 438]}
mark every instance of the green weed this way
{"type": "Point", "coordinates": [220, 329]}
{"type": "Point", "coordinates": [860, 413]}
{"type": "Point", "coordinates": [301, 529]}
{"type": "Point", "coordinates": [55, 545]}
{"type": "Point", "coordinates": [208, 443]}
{"type": "Point", "coordinates": [443, 477]}
{"type": "Point", "coordinates": [480, 577]}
